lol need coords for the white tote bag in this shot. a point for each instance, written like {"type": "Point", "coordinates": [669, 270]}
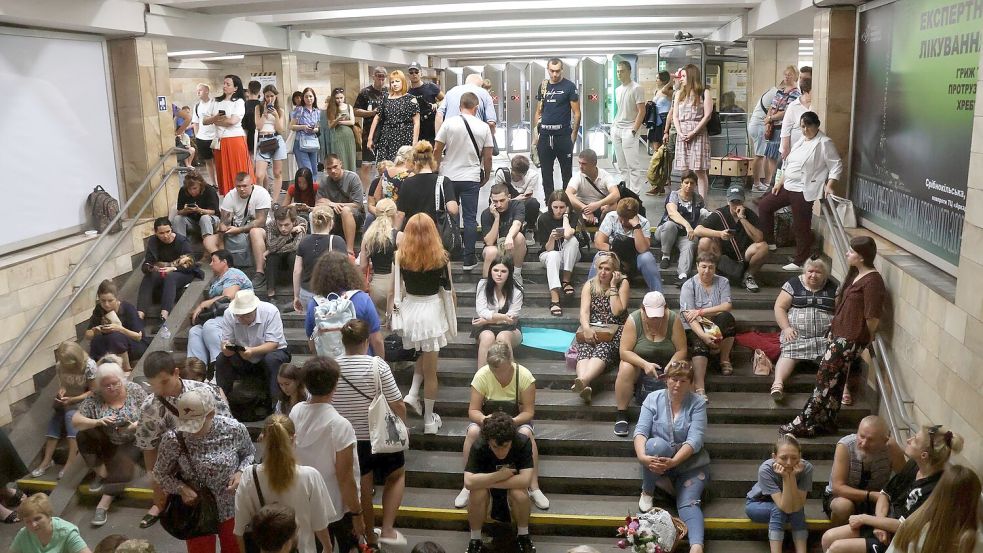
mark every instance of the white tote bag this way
{"type": "Point", "coordinates": [844, 208]}
{"type": "Point", "coordinates": [387, 432]}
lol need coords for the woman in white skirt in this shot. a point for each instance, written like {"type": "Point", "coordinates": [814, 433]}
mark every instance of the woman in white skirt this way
{"type": "Point", "coordinates": [378, 252]}
{"type": "Point", "coordinates": [422, 268]}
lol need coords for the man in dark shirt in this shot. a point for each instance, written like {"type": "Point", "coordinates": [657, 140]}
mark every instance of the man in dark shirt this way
{"type": "Point", "coordinates": [502, 224]}
{"type": "Point", "coordinates": [500, 461]}
{"type": "Point", "coordinates": [249, 118]}
{"type": "Point", "coordinates": [341, 190]}
{"type": "Point", "coordinates": [426, 94]}
{"type": "Point", "coordinates": [731, 233]}
{"type": "Point", "coordinates": [159, 269]}
{"type": "Point", "coordinates": [367, 106]}
{"type": "Point", "coordinates": [556, 124]}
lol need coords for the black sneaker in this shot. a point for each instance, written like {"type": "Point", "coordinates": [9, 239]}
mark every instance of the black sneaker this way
{"type": "Point", "coordinates": [525, 544]}
{"type": "Point", "coordinates": [259, 280]}
{"type": "Point", "coordinates": [475, 546]}
{"type": "Point", "coordinates": [621, 428]}
{"type": "Point", "coordinates": [664, 264]}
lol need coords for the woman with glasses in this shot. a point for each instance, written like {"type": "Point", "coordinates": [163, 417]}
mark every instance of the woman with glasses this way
{"type": "Point", "coordinates": [106, 422]}
{"type": "Point", "coordinates": [338, 118]}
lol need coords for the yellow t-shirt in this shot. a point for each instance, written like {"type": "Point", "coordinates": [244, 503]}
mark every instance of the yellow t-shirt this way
{"type": "Point", "coordinates": [488, 386]}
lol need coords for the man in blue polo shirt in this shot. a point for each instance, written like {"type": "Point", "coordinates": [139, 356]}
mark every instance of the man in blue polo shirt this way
{"type": "Point", "coordinates": [558, 121]}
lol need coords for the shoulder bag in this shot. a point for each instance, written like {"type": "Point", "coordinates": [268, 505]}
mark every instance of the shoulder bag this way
{"type": "Point", "coordinates": [602, 332]}
{"type": "Point", "coordinates": [387, 432]}
{"type": "Point", "coordinates": [450, 234]}
{"type": "Point", "coordinates": [509, 407]}
{"type": "Point", "coordinates": [732, 269]}
{"type": "Point", "coordinates": [448, 302]}
{"type": "Point", "coordinates": [249, 536]}
{"type": "Point", "coordinates": [396, 318]}
{"type": "Point", "coordinates": [477, 150]}
{"type": "Point", "coordinates": [190, 521]}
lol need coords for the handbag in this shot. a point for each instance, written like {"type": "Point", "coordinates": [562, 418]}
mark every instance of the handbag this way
{"type": "Point", "coordinates": [713, 125]}
{"type": "Point", "coordinates": [396, 318]}
{"type": "Point", "coordinates": [761, 364]}
{"type": "Point", "coordinates": [395, 352]}
{"type": "Point", "coordinates": [602, 332]}
{"type": "Point", "coordinates": [711, 329]}
{"type": "Point", "coordinates": [213, 311]}
{"type": "Point", "coordinates": [450, 235]}
{"type": "Point", "coordinates": [387, 432]}
{"type": "Point", "coordinates": [268, 145]}
{"type": "Point", "coordinates": [309, 142]}
{"type": "Point", "coordinates": [844, 208]}
{"type": "Point", "coordinates": [509, 407]}
{"type": "Point", "coordinates": [190, 521]}
{"type": "Point", "coordinates": [448, 302]}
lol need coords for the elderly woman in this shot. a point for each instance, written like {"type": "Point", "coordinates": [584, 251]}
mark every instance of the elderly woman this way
{"type": "Point", "coordinates": [788, 91]}
{"type": "Point", "coordinates": [603, 301]}
{"type": "Point", "coordinates": [812, 167]}
{"type": "Point", "coordinates": [859, 302]}
{"type": "Point", "coordinates": [503, 385]}
{"type": "Point", "coordinates": [44, 533]}
{"type": "Point", "coordinates": [115, 327]}
{"type": "Point", "coordinates": [669, 446]}
{"type": "Point", "coordinates": [106, 422]}
{"type": "Point", "coordinates": [205, 338]}
{"type": "Point", "coordinates": [705, 299]}
{"type": "Point", "coordinates": [652, 339]}
{"type": "Point", "coordinates": [206, 450]}
{"type": "Point", "coordinates": [498, 301]}
{"type": "Point", "coordinates": [803, 310]}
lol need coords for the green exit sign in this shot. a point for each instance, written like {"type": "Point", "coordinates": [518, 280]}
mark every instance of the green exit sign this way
{"type": "Point", "coordinates": [663, 64]}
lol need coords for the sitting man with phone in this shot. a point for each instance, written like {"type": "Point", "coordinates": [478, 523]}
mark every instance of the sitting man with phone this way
{"type": "Point", "coordinates": [252, 342]}
{"type": "Point", "coordinates": [499, 468]}
{"type": "Point", "coordinates": [502, 224]}
{"type": "Point", "coordinates": [731, 233]}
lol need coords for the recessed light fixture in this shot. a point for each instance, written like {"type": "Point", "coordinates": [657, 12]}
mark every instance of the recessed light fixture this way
{"type": "Point", "coordinates": [189, 53]}
{"type": "Point", "coordinates": [223, 58]}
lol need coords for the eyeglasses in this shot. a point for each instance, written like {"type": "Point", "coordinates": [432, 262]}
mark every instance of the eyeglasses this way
{"type": "Point", "coordinates": [413, 71]}
{"type": "Point", "coordinates": [337, 90]}
{"type": "Point", "coordinates": [932, 431]}
{"type": "Point", "coordinates": [112, 386]}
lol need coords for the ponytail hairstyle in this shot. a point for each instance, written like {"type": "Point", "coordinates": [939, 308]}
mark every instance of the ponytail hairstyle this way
{"type": "Point", "coordinates": [379, 236]}
{"type": "Point", "coordinates": [423, 156]}
{"type": "Point", "coordinates": [322, 219]}
{"type": "Point", "coordinates": [786, 439]}
{"type": "Point", "coordinates": [280, 463]}
{"type": "Point", "coordinates": [867, 249]}
{"type": "Point", "coordinates": [941, 443]}
{"type": "Point", "coordinates": [354, 334]}
{"type": "Point", "coordinates": [949, 517]}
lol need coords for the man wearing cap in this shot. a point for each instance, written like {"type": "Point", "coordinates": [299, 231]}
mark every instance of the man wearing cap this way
{"type": "Point", "coordinates": [252, 342]}
{"type": "Point", "coordinates": [731, 233]}
{"type": "Point", "coordinates": [629, 235]}
{"type": "Point", "coordinates": [426, 96]}
{"type": "Point", "coordinates": [367, 106]}
{"type": "Point", "coordinates": [659, 340]}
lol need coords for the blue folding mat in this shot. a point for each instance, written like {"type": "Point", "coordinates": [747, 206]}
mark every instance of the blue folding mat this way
{"type": "Point", "coordinates": [550, 339]}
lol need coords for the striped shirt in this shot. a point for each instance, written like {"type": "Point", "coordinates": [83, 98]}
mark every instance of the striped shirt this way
{"type": "Point", "coordinates": [359, 370]}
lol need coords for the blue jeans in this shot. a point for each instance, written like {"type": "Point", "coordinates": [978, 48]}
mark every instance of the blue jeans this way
{"type": "Point", "coordinates": [306, 159]}
{"type": "Point", "coordinates": [62, 420]}
{"type": "Point", "coordinates": [646, 264]}
{"type": "Point", "coordinates": [466, 194]}
{"type": "Point", "coordinates": [205, 341]}
{"type": "Point", "coordinates": [688, 485]}
{"type": "Point", "coordinates": [768, 511]}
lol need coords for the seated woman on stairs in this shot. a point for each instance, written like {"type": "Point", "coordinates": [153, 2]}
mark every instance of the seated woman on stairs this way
{"type": "Point", "coordinates": [779, 495]}
{"type": "Point", "coordinates": [556, 231]}
{"type": "Point", "coordinates": [669, 446]}
{"type": "Point", "coordinates": [205, 338]}
{"type": "Point", "coordinates": [498, 301]}
{"type": "Point", "coordinates": [503, 385]}
{"type": "Point", "coordinates": [706, 297]}
{"type": "Point", "coordinates": [115, 327]}
{"type": "Point", "coordinates": [603, 301]}
{"type": "Point", "coordinates": [76, 370]}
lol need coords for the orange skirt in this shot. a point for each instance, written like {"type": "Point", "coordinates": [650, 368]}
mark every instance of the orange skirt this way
{"type": "Point", "coordinates": [230, 160]}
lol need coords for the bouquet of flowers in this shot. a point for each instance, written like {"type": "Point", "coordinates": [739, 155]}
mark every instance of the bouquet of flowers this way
{"type": "Point", "coordinates": [653, 532]}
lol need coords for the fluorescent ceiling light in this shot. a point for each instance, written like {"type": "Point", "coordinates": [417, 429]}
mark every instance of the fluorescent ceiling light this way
{"type": "Point", "coordinates": [189, 53]}
{"type": "Point", "coordinates": [223, 58]}
{"type": "Point", "coordinates": [542, 51]}
{"type": "Point", "coordinates": [543, 43]}
{"type": "Point", "coordinates": [589, 23]}
{"type": "Point", "coordinates": [538, 34]}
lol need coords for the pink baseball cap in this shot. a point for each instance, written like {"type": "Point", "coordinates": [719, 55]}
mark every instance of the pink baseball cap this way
{"type": "Point", "coordinates": [654, 304]}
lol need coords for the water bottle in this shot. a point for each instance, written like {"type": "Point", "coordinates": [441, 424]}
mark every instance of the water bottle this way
{"type": "Point", "coordinates": [165, 334]}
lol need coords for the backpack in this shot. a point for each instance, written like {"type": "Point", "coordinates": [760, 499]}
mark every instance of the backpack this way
{"type": "Point", "coordinates": [102, 209]}
{"type": "Point", "coordinates": [249, 400]}
{"type": "Point", "coordinates": [331, 313]}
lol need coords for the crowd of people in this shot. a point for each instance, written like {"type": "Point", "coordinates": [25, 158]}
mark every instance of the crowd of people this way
{"type": "Point", "coordinates": [369, 260]}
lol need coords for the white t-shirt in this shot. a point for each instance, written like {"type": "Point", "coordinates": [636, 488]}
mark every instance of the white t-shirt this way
{"type": "Point", "coordinates": [460, 162]}
{"type": "Point", "coordinates": [232, 108]}
{"type": "Point", "coordinates": [628, 97]}
{"type": "Point", "coordinates": [760, 109]}
{"type": "Point", "coordinates": [321, 434]}
{"type": "Point", "coordinates": [308, 495]}
{"type": "Point", "coordinates": [242, 213]}
{"type": "Point", "coordinates": [532, 181]}
{"type": "Point", "coordinates": [201, 111]}
{"type": "Point", "coordinates": [585, 192]}
{"type": "Point", "coordinates": [791, 122]}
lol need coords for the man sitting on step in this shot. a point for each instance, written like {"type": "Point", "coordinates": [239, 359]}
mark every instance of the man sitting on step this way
{"type": "Point", "coordinates": [502, 224]}
{"type": "Point", "coordinates": [499, 467]}
{"type": "Point", "coordinates": [592, 192]}
{"type": "Point", "coordinates": [732, 234]}
{"type": "Point", "coordinates": [862, 465]}
{"type": "Point", "coordinates": [252, 342]}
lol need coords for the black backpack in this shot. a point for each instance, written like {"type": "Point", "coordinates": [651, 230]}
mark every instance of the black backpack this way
{"type": "Point", "coordinates": [102, 208]}
{"type": "Point", "coordinates": [250, 400]}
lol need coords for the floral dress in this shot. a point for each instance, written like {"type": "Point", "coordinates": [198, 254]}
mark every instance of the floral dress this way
{"type": "Point", "coordinates": [397, 125]}
{"type": "Point", "coordinates": [94, 407]}
{"type": "Point", "coordinates": [600, 312]}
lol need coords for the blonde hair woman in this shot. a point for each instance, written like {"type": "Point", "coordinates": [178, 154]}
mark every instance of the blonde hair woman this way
{"type": "Point", "coordinates": [603, 300]}
{"type": "Point", "coordinates": [378, 252]}
{"type": "Point", "coordinates": [44, 533]}
{"type": "Point", "coordinates": [310, 249]}
{"type": "Point", "coordinates": [75, 372]}
{"type": "Point", "coordinates": [948, 521]}
{"type": "Point", "coordinates": [281, 480]}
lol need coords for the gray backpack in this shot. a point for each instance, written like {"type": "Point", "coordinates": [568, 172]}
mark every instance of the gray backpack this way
{"type": "Point", "coordinates": [102, 209]}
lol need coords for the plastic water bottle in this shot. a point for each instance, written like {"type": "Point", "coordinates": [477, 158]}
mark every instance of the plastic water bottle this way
{"type": "Point", "coordinates": [165, 334]}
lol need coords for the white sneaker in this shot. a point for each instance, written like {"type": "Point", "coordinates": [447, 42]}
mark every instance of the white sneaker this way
{"type": "Point", "coordinates": [414, 403]}
{"type": "Point", "coordinates": [539, 500]}
{"type": "Point", "coordinates": [644, 503]}
{"type": "Point", "coordinates": [760, 187]}
{"type": "Point", "coordinates": [461, 501]}
{"type": "Point", "coordinates": [772, 247]}
{"type": "Point", "coordinates": [517, 276]}
{"type": "Point", "coordinates": [433, 425]}
{"type": "Point", "coordinates": [791, 267]}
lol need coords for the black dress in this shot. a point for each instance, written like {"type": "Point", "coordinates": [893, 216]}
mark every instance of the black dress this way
{"type": "Point", "coordinates": [397, 126]}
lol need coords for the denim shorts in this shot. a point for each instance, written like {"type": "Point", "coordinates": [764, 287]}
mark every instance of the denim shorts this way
{"type": "Point", "coordinates": [279, 154]}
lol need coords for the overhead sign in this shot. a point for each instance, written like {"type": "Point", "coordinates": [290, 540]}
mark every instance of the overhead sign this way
{"type": "Point", "coordinates": [162, 103]}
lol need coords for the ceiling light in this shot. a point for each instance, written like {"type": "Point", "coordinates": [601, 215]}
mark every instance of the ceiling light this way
{"type": "Point", "coordinates": [588, 22]}
{"type": "Point", "coordinates": [223, 58]}
{"type": "Point", "coordinates": [530, 34]}
{"type": "Point", "coordinates": [189, 53]}
{"type": "Point", "coordinates": [614, 43]}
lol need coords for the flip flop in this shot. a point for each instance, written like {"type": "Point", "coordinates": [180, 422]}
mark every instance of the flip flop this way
{"type": "Point", "coordinates": [726, 368]}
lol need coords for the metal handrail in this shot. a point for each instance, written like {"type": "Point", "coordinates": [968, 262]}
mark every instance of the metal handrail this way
{"type": "Point", "coordinates": [896, 399]}
{"type": "Point", "coordinates": [95, 268]}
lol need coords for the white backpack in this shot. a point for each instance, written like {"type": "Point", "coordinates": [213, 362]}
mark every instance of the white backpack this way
{"type": "Point", "coordinates": [331, 313]}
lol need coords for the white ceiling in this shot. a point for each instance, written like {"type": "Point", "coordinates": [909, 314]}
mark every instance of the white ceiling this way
{"type": "Point", "coordinates": [472, 29]}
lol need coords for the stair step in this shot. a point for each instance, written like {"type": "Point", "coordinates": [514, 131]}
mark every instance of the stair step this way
{"type": "Point", "coordinates": [770, 274]}
{"type": "Point", "coordinates": [597, 439]}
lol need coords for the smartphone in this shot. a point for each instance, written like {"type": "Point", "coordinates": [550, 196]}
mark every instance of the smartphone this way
{"type": "Point", "coordinates": [269, 107]}
{"type": "Point", "coordinates": [221, 112]}
{"type": "Point", "coordinates": [235, 347]}
{"type": "Point", "coordinates": [186, 206]}
{"type": "Point", "coordinates": [731, 231]}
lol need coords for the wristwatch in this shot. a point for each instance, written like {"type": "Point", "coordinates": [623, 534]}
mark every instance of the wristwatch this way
{"type": "Point", "coordinates": [636, 227]}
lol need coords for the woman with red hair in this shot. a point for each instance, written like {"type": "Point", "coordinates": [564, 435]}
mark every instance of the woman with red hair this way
{"type": "Point", "coordinates": [422, 267]}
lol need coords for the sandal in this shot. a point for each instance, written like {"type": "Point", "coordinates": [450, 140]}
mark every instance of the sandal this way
{"type": "Point", "coordinates": [12, 518]}
{"type": "Point", "coordinates": [568, 288]}
{"type": "Point", "coordinates": [726, 368]}
{"type": "Point", "coordinates": [778, 392]}
{"type": "Point", "coordinates": [555, 309]}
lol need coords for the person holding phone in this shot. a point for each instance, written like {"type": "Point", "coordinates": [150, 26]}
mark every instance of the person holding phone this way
{"type": "Point", "coordinates": [732, 233]}
{"type": "Point", "coordinates": [233, 156]}
{"type": "Point", "coordinates": [271, 148]}
{"type": "Point", "coordinates": [115, 327]}
{"type": "Point", "coordinates": [252, 342]}
{"type": "Point", "coordinates": [653, 338]}
{"type": "Point", "coordinates": [197, 209]}
{"type": "Point", "coordinates": [556, 230]}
